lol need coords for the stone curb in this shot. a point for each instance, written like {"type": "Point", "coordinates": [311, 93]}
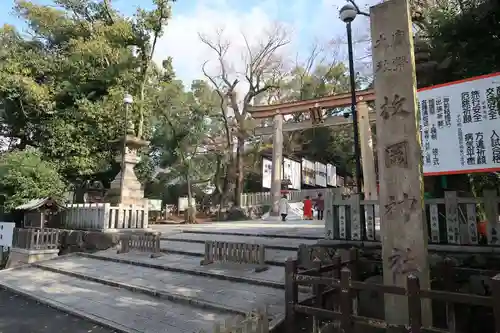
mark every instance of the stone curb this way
{"type": "Point", "coordinates": [72, 311]}
{"type": "Point", "coordinates": [198, 241]}
{"type": "Point", "coordinates": [257, 282]}
{"type": "Point", "coordinates": [197, 254]}
{"type": "Point", "coordinates": [146, 291]}
{"type": "Point", "coordinates": [249, 234]}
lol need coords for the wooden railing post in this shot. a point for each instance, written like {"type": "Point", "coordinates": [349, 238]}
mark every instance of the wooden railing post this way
{"type": "Point", "coordinates": [353, 262]}
{"type": "Point", "coordinates": [345, 300]}
{"type": "Point", "coordinates": [318, 294]}
{"type": "Point", "coordinates": [495, 286]}
{"type": "Point", "coordinates": [414, 304]}
{"type": "Point", "coordinates": [291, 294]}
{"type": "Point", "coordinates": [207, 257]}
{"type": "Point", "coordinates": [449, 285]}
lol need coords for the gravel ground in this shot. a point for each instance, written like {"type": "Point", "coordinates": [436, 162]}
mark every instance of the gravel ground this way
{"type": "Point", "coordinates": [22, 315]}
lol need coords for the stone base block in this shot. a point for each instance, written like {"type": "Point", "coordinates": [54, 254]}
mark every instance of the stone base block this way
{"type": "Point", "coordinates": [19, 257]}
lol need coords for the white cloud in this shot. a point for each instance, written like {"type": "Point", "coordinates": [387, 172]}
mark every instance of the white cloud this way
{"type": "Point", "coordinates": [306, 25]}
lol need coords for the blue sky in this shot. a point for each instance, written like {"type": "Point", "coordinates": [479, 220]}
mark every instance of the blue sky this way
{"type": "Point", "coordinates": [308, 22]}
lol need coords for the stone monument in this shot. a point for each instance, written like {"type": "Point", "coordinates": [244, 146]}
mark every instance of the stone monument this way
{"type": "Point", "coordinates": [404, 230]}
{"type": "Point", "coordinates": [126, 188]}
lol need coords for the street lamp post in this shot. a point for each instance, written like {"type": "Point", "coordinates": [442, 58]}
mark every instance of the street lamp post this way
{"type": "Point", "coordinates": [347, 14]}
{"type": "Point", "coordinates": [127, 100]}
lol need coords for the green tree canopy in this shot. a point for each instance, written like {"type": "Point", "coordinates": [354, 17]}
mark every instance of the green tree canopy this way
{"type": "Point", "coordinates": [25, 175]}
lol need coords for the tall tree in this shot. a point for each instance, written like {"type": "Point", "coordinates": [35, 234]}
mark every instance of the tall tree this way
{"type": "Point", "coordinates": [182, 137]}
{"type": "Point", "coordinates": [62, 85]}
{"type": "Point", "coordinates": [261, 72]}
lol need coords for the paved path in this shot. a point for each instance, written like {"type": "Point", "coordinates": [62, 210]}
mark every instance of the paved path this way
{"type": "Point", "coordinates": [20, 314]}
{"type": "Point", "coordinates": [176, 262]}
{"type": "Point", "coordinates": [198, 249]}
{"type": "Point", "coordinates": [237, 296]}
{"type": "Point", "coordinates": [315, 229]}
{"type": "Point", "coordinates": [131, 312]}
{"type": "Point", "coordinates": [268, 241]}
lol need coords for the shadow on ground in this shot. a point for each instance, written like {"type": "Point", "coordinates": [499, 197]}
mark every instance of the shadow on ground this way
{"type": "Point", "coordinates": [22, 315]}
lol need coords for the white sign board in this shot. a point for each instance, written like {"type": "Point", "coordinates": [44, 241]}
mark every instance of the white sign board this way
{"type": "Point", "coordinates": [320, 171]}
{"type": "Point", "coordinates": [340, 181]}
{"type": "Point", "coordinates": [291, 171]}
{"type": "Point", "coordinates": [266, 172]}
{"type": "Point", "coordinates": [6, 233]}
{"type": "Point", "coordinates": [331, 175]}
{"type": "Point", "coordinates": [154, 205]}
{"type": "Point", "coordinates": [460, 126]}
{"type": "Point", "coordinates": [183, 204]}
{"type": "Point", "coordinates": [308, 172]}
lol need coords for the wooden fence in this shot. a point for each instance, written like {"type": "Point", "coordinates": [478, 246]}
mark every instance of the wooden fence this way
{"type": "Point", "coordinates": [104, 216]}
{"type": "Point", "coordinates": [36, 239]}
{"type": "Point", "coordinates": [254, 322]}
{"type": "Point", "coordinates": [264, 198]}
{"type": "Point", "coordinates": [340, 280]}
{"type": "Point", "coordinates": [242, 253]}
{"type": "Point", "coordinates": [450, 220]}
{"type": "Point", "coordinates": [148, 242]}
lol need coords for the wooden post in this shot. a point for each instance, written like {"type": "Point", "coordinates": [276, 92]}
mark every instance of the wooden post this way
{"type": "Point", "coordinates": [495, 286]}
{"type": "Point", "coordinates": [452, 226]}
{"type": "Point", "coordinates": [345, 301]}
{"type": "Point", "coordinates": [318, 295]}
{"type": "Point", "coordinates": [291, 294]}
{"type": "Point", "coordinates": [277, 163]}
{"type": "Point", "coordinates": [404, 231]}
{"type": "Point", "coordinates": [491, 212]}
{"type": "Point", "coordinates": [414, 308]}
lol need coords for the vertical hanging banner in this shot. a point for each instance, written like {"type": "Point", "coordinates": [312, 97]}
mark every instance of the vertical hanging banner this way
{"type": "Point", "coordinates": [291, 171]}
{"type": "Point", "coordinates": [308, 172]}
{"type": "Point", "coordinates": [331, 175]}
{"type": "Point", "coordinates": [320, 174]}
{"type": "Point", "coordinates": [266, 172]}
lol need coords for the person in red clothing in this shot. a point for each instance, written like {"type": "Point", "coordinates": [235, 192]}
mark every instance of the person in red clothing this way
{"type": "Point", "coordinates": [308, 214]}
{"type": "Point", "coordinates": [320, 206]}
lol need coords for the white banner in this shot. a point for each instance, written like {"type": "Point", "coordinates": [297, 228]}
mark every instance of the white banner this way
{"type": "Point", "coordinates": [291, 171]}
{"type": "Point", "coordinates": [320, 170]}
{"type": "Point", "coordinates": [266, 173]}
{"type": "Point", "coordinates": [460, 126]}
{"type": "Point", "coordinates": [308, 172]}
{"type": "Point", "coordinates": [331, 175]}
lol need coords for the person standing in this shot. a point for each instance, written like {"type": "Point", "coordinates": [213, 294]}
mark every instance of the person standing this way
{"type": "Point", "coordinates": [283, 207]}
{"type": "Point", "coordinates": [308, 214]}
{"type": "Point", "coordinates": [320, 206]}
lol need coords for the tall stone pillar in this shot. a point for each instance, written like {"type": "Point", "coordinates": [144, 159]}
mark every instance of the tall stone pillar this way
{"type": "Point", "coordinates": [277, 163]}
{"type": "Point", "coordinates": [126, 188]}
{"type": "Point", "coordinates": [404, 230]}
{"type": "Point", "coordinates": [367, 157]}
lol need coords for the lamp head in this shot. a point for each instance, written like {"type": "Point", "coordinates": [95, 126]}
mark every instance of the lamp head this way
{"type": "Point", "coordinates": [348, 13]}
{"type": "Point", "coordinates": [128, 99]}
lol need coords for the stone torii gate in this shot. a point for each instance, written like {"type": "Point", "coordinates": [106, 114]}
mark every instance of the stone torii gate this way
{"type": "Point", "coordinates": [315, 108]}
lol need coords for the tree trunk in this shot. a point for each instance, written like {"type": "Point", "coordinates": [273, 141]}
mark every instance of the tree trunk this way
{"type": "Point", "coordinates": [191, 211]}
{"type": "Point", "coordinates": [238, 190]}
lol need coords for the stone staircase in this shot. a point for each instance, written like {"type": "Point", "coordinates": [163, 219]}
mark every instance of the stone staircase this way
{"type": "Point", "coordinates": [133, 292]}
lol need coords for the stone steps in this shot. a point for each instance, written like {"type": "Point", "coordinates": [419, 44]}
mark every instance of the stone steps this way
{"type": "Point", "coordinates": [118, 308]}
{"type": "Point", "coordinates": [287, 244]}
{"type": "Point", "coordinates": [273, 257]}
